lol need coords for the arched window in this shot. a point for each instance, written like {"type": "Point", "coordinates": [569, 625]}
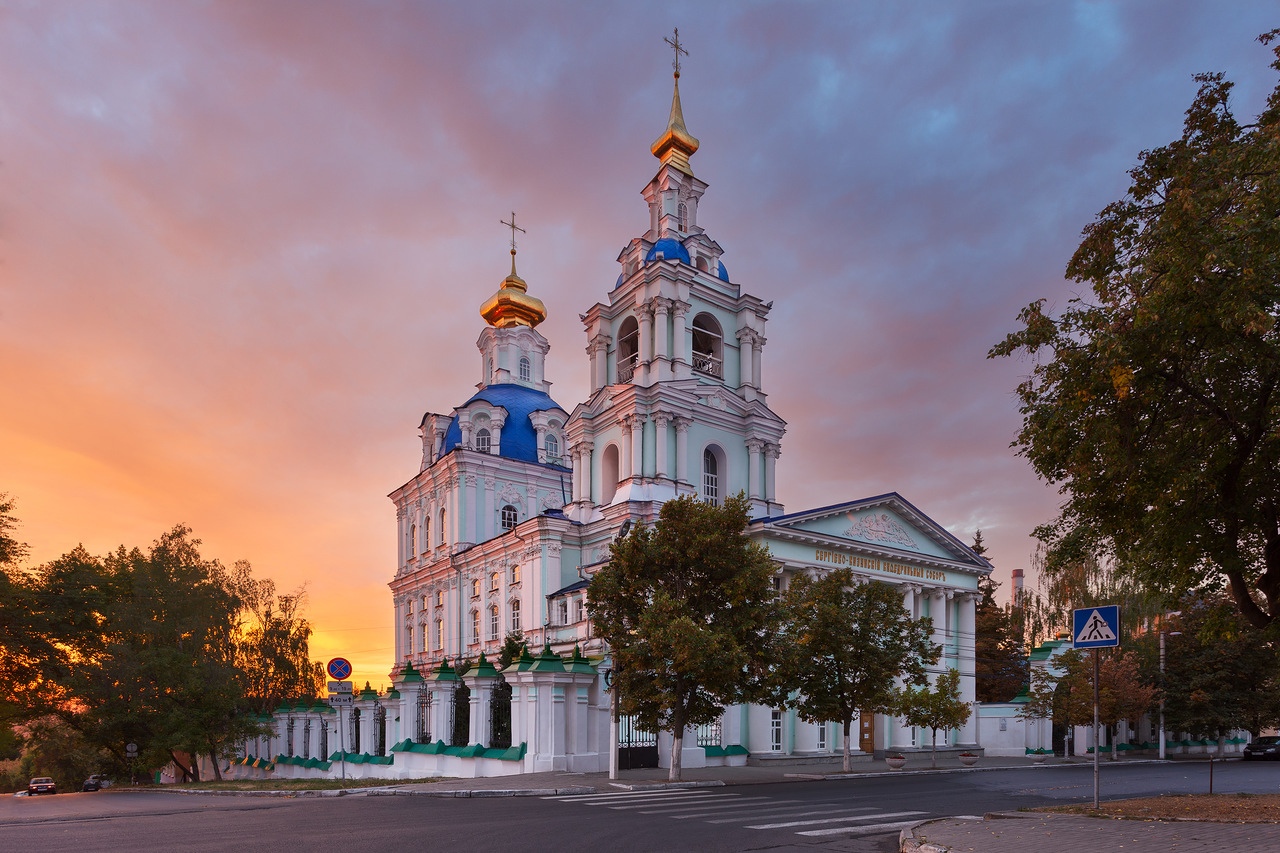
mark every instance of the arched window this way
{"type": "Point", "coordinates": [426, 533]}
{"type": "Point", "coordinates": [609, 474]}
{"type": "Point", "coordinates": [628, 349]}
{"type": "Point", "coordinates": [515, 574]}
{"type": "Point", "coordinates": [553, 449]}
{"type": "Point", "coordinates": [439, 634]}
{"type": "Point", "coordinates": [413, 539]}
{"type": "Point", "coordinates": [702, 264]}
{"type": "Point", "coordinates": [482, 440]}
{"type": "Point", "coordinates": [525, 371]}
{"type": "Point", "coordinates": [708, 346]}
{"type": "Point", "coordinates": [515, 615]}
{"type": "Point", "coordinates": [494, 624]}
{"type": "Point", "coordinates": [509, 517]}
{"type": "Point", "coordinates": [488, 369]}
{"type": "Point", "coordinates": [444, 531]}
{"type": "Point", "coordinates": [682, 216]}
{"type": "Point", "coordinates": [475, 626]}
{"type": "Point", "coordinates": [710, 477]}
{"type": "Point", "coordinates": [493, 581]}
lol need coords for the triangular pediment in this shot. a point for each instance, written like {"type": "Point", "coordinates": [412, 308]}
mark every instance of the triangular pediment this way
{"type": "Point", "coordinates": [885, 523]}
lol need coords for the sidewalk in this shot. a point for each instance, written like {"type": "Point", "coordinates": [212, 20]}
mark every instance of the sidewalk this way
{"type": "Point", "coordinates": [1046, 833]}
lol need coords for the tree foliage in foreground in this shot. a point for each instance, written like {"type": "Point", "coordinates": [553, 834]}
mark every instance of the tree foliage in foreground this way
{"type": "Point", "coordinates": [843, 644]}
{"type": "Point", "coordinates": [1221, 673]}
{"type": "Point", "coordinates": [937, 707]}
{"type": "Point", "coordinates": [1124, 693]}
{"type": "Point", "coordinates": [1154, 400]}
{"type": "Point", "coordinates": [162, 648]}
{"type": "Point", "coordinates": [688, 611]}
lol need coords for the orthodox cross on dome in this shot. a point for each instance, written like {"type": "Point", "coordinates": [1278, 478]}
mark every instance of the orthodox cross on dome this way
{"type": "Point", "coordinates": [514, 228]}
{"type": "Point", "coordinates": [677, 47]}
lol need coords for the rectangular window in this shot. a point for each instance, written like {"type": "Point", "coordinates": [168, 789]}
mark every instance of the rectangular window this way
{"type": "Point", "coordinates": [494, 625]}
{"type": "Point", "coordinates": [475, 626]}
{"type": "Point", "coordinates": [439, 634]}
{"type": "Point", "coordinates": [562, 612]}
{"type": "Point", "coordinates": [775, 732]}
{"type": "Point", "coordinates": [822, 735]}
{"type": "Point", "coordinates": [515, 616]}
{"type": "Point", "coordinates": [515, 574]}
{"type": "Point", "coordinates": [579, 610]}
{"type": "Point", "coordinates": [711, 488]}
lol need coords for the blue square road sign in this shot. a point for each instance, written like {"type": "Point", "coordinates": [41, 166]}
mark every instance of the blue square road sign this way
{"type": "Point", "coordinates": [1096, 627]}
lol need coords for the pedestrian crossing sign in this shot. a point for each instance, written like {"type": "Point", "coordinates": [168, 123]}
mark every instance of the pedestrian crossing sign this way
{"type": "Point", "coordinates": [1096, 627]}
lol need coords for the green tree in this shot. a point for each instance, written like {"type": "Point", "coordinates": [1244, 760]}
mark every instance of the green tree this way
{"type": "Point", "coordinates": [1000, 667]}
{"type": "Point", "coordinates": [1124, 694]}
{"type": "Point", "coordinates": [688, 611]}
{"type": "Point", "coordinates": [935, 708]}
{"type": "Point", "coordinates": [1221, 673]}
{"type": "Point", "coordinates": [843, 644]}
{"type": "Point", "coordinates": [272, 644]}
{"type": "Point", "coordinates": [1153, 400]}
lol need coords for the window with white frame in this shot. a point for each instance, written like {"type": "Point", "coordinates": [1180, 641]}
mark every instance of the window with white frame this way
{"type": "Point", "coordinates": [482, 440]}
{"type": "Point", "coordinates": [493, 580]}
{"type": "Point", "coordinates": [475, 588]}
{"type": "Point", "coordinates": [515, 574]}
{"type": "Point", "coordinates": [822, 735]}
{"type": "Point", "coordinates": [439, 598]}
{"type": "Point", "coordinates": [413, 539]}
{"type": "Point", "coordinates": [509, 517]}
{"type": "Point", "coordinates": [515, 615]}
{"type": "Point", "coordinates": [775, 731]}
{"type": "Point", "coordinates": [525, 371]}
{"type": "Point", "coordinates": [562, 612]}
{"type": "Point", "coordinates": [495, 624]}
{"type": "Point", "coordinates": [579, 609]}
{"type": "Point", "coordinates": [682, 217]}
{"type": "Point", "coordinates": [439, 634]}
{"type": "Point", "coordinates": [426, 533]}
{"type": "Point", "coordinates": [552, 445]}
{"type": "Point", "coordinates": [710, 477]}
{"type": "Point", "coordinates": [475, 626]}
{"type": "Point", "coordinates": [408, 640]}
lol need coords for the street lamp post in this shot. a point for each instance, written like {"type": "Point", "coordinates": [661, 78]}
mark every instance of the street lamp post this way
{"type": "Point", "coordinates": [1162, 635]}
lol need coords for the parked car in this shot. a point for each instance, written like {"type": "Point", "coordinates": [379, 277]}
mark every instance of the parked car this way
{"type": "Point", "coordinates": [1264, 747]}
{"type": "Point", "coordinates": [41, 785]}
{"type": "Point", "coordinates": [95, 783]}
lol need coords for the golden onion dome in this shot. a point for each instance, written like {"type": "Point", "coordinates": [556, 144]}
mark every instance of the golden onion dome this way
{"type": "Point", "coordinates": [512, 305]}
{"type": "Point", "coordinates": [676, 145]}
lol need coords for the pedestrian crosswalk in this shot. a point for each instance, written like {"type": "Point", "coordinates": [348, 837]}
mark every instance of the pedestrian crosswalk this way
{"type": "Point", "coordinates": [811, 818]}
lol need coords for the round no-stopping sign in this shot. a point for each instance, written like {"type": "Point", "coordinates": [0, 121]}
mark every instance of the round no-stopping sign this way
{"type": "Point", "coordinates": [339, 669]}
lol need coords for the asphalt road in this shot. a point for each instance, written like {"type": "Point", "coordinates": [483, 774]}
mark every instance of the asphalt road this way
{"type": "Point", "coordinates": [861, 815]}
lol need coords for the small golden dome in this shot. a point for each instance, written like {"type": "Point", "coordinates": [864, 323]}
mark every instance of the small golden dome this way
{"type": "Point", "coordinates": [512, 305]}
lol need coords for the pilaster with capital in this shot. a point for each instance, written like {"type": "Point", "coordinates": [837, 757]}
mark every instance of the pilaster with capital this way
{"type": "Point", "coordinates": [680, 334]}
{"type": "Point", "coordinates": [966, 663]}
{"type": "Point", "coordinates": [598, 350]}
{"type": "Point", "coordinates": [637, 444]}
{"type": "Point", "coordinates": [746, 346]}
{"type": "Point", "coordinates": [755, 447]}
{"type": "Point", "coordinates": [771, 454]}
{"type": "Point", "coordinates": [645, 315]}
{"type": "Point", "coordinates": [682, 449]}
{"type": "Point", "coordinates": [661, 421]}
{"type": "Point", "coordinates": [661, 334]}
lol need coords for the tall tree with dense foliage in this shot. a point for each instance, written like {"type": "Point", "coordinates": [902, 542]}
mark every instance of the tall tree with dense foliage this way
{"type": "Point", "coordinates": [272, 644]}
{"type": "Point", "coordinates": [937, 707]}
{"type": "Point", "coordinates": [1000, 660]}
{"type": "Point", "coordinates": [688, 611]}
{"type": "Point", "coordinates": [1124, 693]}
{"type": "Point", "coordinates": [1154, 397]}
{"type": "Point", "coordinates": [843, 644]}
{"type": "Point", "coordinates": [1221, 673]}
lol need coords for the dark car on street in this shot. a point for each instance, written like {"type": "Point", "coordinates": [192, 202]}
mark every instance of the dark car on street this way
{"type": "Point", "coordinates": [1264, 747]}
{"type": "Point", "coordinates": [94, 783]}
{"type": "Point", "coordinates": [41, 785]}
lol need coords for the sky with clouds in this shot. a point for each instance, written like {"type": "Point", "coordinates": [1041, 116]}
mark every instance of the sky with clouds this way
{"type": "Point", "coordinates": [243, 244]}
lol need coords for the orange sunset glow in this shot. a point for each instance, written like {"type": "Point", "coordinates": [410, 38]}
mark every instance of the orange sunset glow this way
{"type": "Point", "coordinates": [243, 246]}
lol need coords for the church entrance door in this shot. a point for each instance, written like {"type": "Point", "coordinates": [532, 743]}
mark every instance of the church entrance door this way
{"type": "Point", "coordinates": [867, 732]}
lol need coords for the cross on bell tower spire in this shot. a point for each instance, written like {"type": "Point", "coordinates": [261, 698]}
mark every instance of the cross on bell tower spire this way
{"type": "Point", "coordinates": [677, 47]}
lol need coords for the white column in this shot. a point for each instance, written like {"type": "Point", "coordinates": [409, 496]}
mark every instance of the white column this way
{"type": "Point", "coordinates": [938, 613]}
{"type": "Point", "coordinates": [682, 450]}
{"type": "Point", "coordinates": [680, 334]}
{"type": "Point", "coordinates": [598, 349]}
{"type": "Point", "coordinates": [646, 342]}
{"type": "Point", "coordinates": [637, 445]}
{"type": "Point", "coordinates": [469, 490]}
{"type": "Point", "coordinates": [401, 522]}
{"type": "Point", "coordinates": [771, 454]}
{"type": "Point", "coordinates": [660, 422]}
{"type": "Point", "coordinates": [967, 664]}
{"type": "Point", "coordinates": [625, 461]}
{"type": "Point", "coordinates": [754, 447]}
{"type": "Point", "coordinates": [745, 336]}
{"type": "Point", "coordinates": [495, 438]}
{"type": "Point", "coordinates": [661, 330]}
{"type": "Point", "coordinates": [490, 503]}
{"type": "Point", "coordinates": [756, 350]}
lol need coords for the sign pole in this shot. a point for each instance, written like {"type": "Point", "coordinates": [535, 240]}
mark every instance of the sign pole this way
{"type": "Point", "coordinates": [1097, 748]}
{"type": "Point", "coordinates": [342, 744]}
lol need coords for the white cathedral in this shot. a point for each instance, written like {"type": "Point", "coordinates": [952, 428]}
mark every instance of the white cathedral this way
{"type": "Point", "coordinates": [517, 500]}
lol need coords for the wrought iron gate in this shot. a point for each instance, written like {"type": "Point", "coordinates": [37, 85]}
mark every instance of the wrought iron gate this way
{"type": "Point", "coordinates": [636, 747]}
{"type": "Point", "coordinates": [500, 716]}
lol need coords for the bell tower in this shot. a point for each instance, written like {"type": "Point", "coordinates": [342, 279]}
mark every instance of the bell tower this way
{"type": "Point", "coordinates": [677, 401]}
